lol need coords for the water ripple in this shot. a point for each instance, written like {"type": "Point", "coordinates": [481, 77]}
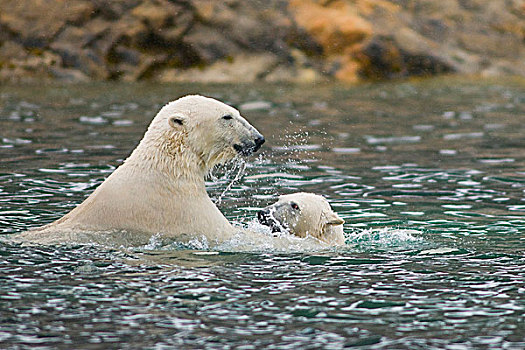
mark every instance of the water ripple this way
{"type": "Point", "coordinates": [433, 204]}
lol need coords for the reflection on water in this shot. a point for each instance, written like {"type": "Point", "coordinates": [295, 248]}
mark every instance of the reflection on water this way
{"type": "Point", "coordinates": [429, 176]}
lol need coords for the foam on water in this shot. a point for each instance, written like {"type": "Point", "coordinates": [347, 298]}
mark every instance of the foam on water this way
{"type": "Point", "coordinates": [250, 237]}
{"type": "Point", "coordinates": [159, 242]}
{"type": "Point", "coordinates": [385, 236]}
{"type": "Point", "coordinates": [254, 237]}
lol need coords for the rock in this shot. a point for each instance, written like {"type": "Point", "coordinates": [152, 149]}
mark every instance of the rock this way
{"type": "Point", "coordinates": [508, 45]}
{"type": "Point", "coordinates": [253, 40]}
{"type": "Point", "coordinates": [11, 50]}
{"type": "Point", "coordinates": [210, 44]}
{"type": "Point", "coordinates": [180, 26]}
{"type": "Point", "coordinates": [348, 70]}
{"type": "Point", "coordinates": [283, 73]}
{"type": "Point", "coordinates": [244, 68]}
{"type": "Point", "coordinates": [384, 57]}
{"type": "Point", "coordinates": [254, 26]}
{"type": "Point", "coordinates": [24, 67]}
{"type": "Point", "coordinates": [299, 69]}
{"type": "Point", "coordinates": [338, 29]}
{"type": "Point", "coordinates": [70, 46]}
{"type": "Point", "coordinates": [101, 35]}
{"type": "Point", "coordinates": [115, 9]}
{"type": "Point", "coordinates": [36, 23]}
{"type": "Point", "coordinates": [67, 74]}
{"type": "Point", "coordinates": [155, 14]}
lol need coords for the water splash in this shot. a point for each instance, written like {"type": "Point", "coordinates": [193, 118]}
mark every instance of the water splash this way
{"type": "Point", "coordinates": [238, 169]}
{"type": "Point", "coordinates": [385, 238]}
{"type": "Point", "coordinates": [159, 242]}
{"type": "Point", "coordinates": [282, 227]}
{"type": "Point", "coordinates": [254, 237]}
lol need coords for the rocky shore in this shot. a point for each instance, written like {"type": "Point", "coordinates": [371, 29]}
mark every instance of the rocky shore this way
{"type": "Point", "coordinates": [258, 40]}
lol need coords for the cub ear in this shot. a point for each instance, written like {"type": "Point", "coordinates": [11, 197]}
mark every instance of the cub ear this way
{"type": "Point", "coordinates": [331, 218]}
{"type": "Point", "coordinates": [176, 121]}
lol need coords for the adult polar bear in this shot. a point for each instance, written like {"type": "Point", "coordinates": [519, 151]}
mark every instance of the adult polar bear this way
{"type": "Point", "coordinates": [160, 187]}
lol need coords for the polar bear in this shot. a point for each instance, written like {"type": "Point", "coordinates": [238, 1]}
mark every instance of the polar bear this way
{"type": "Point", "coordinates": [160, 187]}
{"type": "Point", "coordinates": [304, 214]}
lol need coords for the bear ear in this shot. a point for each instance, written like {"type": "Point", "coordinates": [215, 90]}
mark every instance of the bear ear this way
{"type": "Point", "coordinates": [331, 218]}
{"type": "Point", "coordinates": [176, 121]}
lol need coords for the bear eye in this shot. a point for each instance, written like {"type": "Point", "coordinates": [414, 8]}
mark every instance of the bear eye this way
{"type": "Point", "coordinates": [294, 206]}
{"type": "Point", "coordinates": [175, 120]}
{"type": "Point", "coordinates": [227, 117]}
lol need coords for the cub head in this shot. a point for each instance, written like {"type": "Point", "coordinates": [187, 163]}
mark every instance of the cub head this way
{"type": "Point", "coordinates": [203, 129]}
{"type": "Point", "coordinates": [304, 214]}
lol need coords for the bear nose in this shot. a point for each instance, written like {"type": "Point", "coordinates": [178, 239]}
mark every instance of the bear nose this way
{"type": "Point", "coordinates": [259, 140]}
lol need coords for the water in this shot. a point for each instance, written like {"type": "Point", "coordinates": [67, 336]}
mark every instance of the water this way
{"type": "Point", "coordinates": [429, 176]}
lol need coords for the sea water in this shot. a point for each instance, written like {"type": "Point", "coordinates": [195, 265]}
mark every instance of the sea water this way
{"type": "Point", "coordinates": [428, 175]}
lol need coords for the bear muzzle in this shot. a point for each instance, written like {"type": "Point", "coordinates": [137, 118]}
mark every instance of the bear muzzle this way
{"type": "Point", "coordinates": [246, 148]}
{"type": "Point", "coordinates": [266, 218]}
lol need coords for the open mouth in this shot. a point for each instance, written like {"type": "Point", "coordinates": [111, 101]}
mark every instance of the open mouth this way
{"type": "Point", "coordinates": [245, 150]}
{"type": "Point", "coordinates": [275, 227]}
{"type": "Point", "coordinates": [265, 218]}
{"type": "Point", "coordinates": [248, 148]}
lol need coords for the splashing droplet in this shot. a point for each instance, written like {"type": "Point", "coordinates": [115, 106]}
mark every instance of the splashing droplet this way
{"type": "Point", "coordinates": [240, 166]}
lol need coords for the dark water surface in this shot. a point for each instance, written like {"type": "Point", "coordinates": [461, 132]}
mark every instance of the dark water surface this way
{"type": "Point", "coordinates": [429, 176]}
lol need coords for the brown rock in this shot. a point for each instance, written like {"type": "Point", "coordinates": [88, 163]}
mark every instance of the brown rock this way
{"type": "Point", "coordinates": [505, 45]}
{"type": "Point", "coordinates": [180, 26]}
{"type": "Point", "coordinates": [349, 71]}
{"type": "Point", "coordinates": [10, 50]}
{"type": "Point", "coordinates": [243, 68]}
{"type": "Point", "coordinates": [252, 25]}
{"type": "Point", "coordinates": [249, 40]}
{"type": "Point", "coordinates": [129, 30]}
{"type": "Point", "coordinates": [33, 64]}
{"type": "Point", "coordinates": [68, 74]}
{"type": "Point", "coordinates": [336, 27]}
{"type": "Point", "coordinates": [73, 47]}
{"type": "Point", "coordinates": [383, 57]}
{"type": "Point", "coordinates": [103, 34]}
{"type": "Point", "coordinates": [37, 22]}
{"type": "Point", "coordinates": [290, 73]}
{"type": "Point", "coordinates": [210, 44]}
{"type": "Point", "coordinates": [156, 14]}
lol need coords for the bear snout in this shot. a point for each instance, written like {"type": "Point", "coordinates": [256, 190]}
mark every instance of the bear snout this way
{"type": "Point", "coordinates": [266, 218]}
{"type": "Point", "coordinates": [246, 148]}
{"type": "Point", "coordinates": [259, 140]}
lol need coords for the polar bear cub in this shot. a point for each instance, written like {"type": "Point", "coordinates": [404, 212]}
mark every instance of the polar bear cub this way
{"type": "Point", "coordinates": [304, 214]}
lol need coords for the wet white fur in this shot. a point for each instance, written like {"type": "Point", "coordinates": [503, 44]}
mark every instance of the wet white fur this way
{"type": "Point", "coordinates": [314, 217]}
{"type": "Point", "coordinates": [160, 187]}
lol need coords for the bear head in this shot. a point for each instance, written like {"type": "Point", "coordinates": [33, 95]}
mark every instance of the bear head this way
{"type": "Point", "coordinates": [202, 129]}
{"type": "Point", "coordinates": [304, 214]}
